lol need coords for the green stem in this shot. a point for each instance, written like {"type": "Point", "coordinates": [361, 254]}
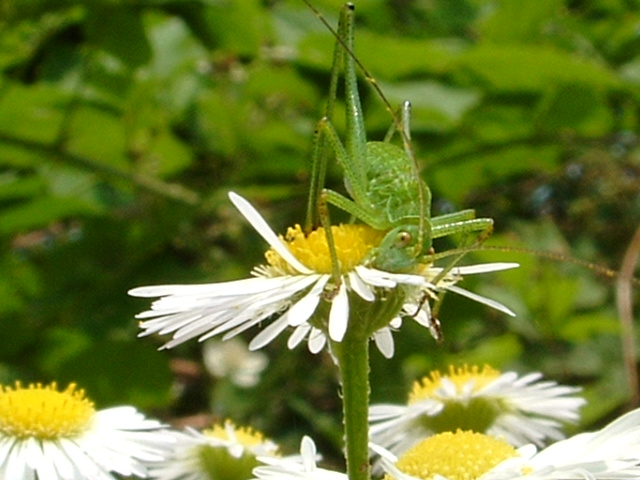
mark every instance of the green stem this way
{"type": "Point", "coordinates": [353, 362]}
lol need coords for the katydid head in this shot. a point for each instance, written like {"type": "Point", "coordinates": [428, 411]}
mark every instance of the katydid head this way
{"type": "Point", "coordinates": [401, 249]}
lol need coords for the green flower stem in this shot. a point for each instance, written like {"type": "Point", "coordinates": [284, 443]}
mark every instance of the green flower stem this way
{"type": "Point", "coordinates": [353, 361]}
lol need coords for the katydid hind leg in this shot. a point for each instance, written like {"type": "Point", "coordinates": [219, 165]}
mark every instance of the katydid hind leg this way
{"type": "Point", "coordinates": [351, 154]}
{"type": "Point", "coordinates": [356, 138]}
{"type": "Point", "coordinates": [319, 152]}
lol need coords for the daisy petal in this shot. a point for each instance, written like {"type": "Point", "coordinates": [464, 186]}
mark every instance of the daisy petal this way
{"type": "Point", "coordinates": [263, 228]}
{"type": "Point", "coordinates": [339, 314]}
{"type": "Point", "coordinates": [360, 287]}
{"type": "Point", "coordinates": [526, 408]}
{"type": "Point", "coordinates": [480, 299]}
{"type": "Point", "coordinates": [302, 310]}
{"type": "Point", "coordinates": [317, 340]}
{"type": "Point", "coordinates": [299, 334]}
{"type": "Point", "coordinates": [484, 268]}
{"type": "Point", "coordinates": [384, 342]}
{"type": "Point", "coordinates": [89, 444]}
{"type": "Point", "coordinates": [269, 333]}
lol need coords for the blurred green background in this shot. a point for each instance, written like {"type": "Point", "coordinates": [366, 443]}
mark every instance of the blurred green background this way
{"type": "Point", "coordinates": [123, 125]}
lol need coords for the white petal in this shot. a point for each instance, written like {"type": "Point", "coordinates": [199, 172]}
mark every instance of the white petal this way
{"type": "Point", "coordinates": [385, 411]}
{"type": "Point", "coordinates": [384, 342]}
{"type": "Point", "coordinates": [360, 287]}
{"type": "Point", "coordinates": [308, 453]}
{"type": "Point", "coordinates": [263, 228]}
{"type": "Point", "coordinates": [383, 452]}
{"type": "Point", "coordinates": [268, 333]}
{"type": "Point", "coordinates": [380, 278]}
{"type": "Point", "coordinates": [483, 268]}
{"type": "Point", "coordinates": [617, 442]}
{"type": "Point", "coordinates": [317, 340]}
{"type": "Point", "coordinates": [241, 287]}
{"type": "Point", "coordinates": [299, 334]}
{"type": "Point", "coordinates": [481, 299]}
{"type": "Point", "coordinates": [339, 314]}
{"type": "Point", "coordinates": [300, 312]}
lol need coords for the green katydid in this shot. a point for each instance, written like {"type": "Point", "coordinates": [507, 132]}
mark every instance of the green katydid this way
{"type": "Point", "coordinates": [382, 178]}
{"type": "Point", "coordinates": [383, 181]}
{"type": "Point", "coordinates": [386, 190]}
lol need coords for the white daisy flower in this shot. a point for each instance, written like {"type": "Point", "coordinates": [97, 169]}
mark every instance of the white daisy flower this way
{"type": "Point", "coordinates": [232, 360]}
{"type": "Point", "coordinates": [520, 409]}
{"type": "Point", "coordinates": [298, 467]}
{"type": "Point", "coordinates": [610, 453]}
{"type": "Point", "coordinates": [58, 435]}
{"type": "Point", "coordinates": [296, 289]}
{"type": "Point", "coordinates": [223, 451]}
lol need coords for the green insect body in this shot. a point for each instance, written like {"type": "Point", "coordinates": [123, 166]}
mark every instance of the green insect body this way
{"type": "Point", "coordinates": [381, 178]}
{"type": "Point", "coordinates": [392, 186]}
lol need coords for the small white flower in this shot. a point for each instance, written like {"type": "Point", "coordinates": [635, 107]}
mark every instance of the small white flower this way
{"type": "Point", "coordinates": [301, 467]}
{"type": "Point", "coordinates": [60, 436]}
{"type": "Point", "coordinates": [613, 452]}
{"type": "Point", "coordinates": [519, 409]}
{"type": "Point", "coordinates": [232, 360]}
{"type": "Point", "coordinates": [610, 453]}
{"type": "Point", "coordinates": [294, 287]}
{"type": "Point", "coordinates": [224, 451]}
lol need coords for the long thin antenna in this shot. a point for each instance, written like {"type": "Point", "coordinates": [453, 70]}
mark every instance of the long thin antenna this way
{"type": "Point", "coordinates": [602, 270]}
{"type": "Point", "coordinates": [399, 125]}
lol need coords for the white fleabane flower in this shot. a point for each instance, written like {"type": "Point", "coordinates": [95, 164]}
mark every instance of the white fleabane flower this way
{"type": "Point", "coordinates": [303, 467]}
{"type": "Point", "coordinates": [232, 360]}
{"type": "Point", "coordinates": [296, 289]}
{"type": "Point", "coordinates": [520, 409]}
{"type": "Point", "coordinates": [610, 453]}
{"type": "Point", "coordinates": [223, 451]}
{"type": "Point", "coordinates": [58, 435]}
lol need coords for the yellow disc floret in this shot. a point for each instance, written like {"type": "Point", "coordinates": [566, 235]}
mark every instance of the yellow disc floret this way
{"type": "Point", "coordinates": [467, 407]}
{"type": "Point", "coordinates": [353, 243]}
{"type": "Point", "coordinates": [460, 376]}
{"type": "Point", "coordinates": [225, 461]}
{"type": "Point", "coordinates": [461, 455]}
{"type": "Point", "coordinates": [245, 436]}
{"type": "Point", "coordinates": [42, 412]}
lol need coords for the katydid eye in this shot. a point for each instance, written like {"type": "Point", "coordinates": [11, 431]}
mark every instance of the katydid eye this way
{"type": "Point", "coordinates": [403, 239]}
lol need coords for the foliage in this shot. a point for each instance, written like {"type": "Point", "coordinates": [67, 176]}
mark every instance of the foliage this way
{"type": "Point", "coordinates": [124, 123]}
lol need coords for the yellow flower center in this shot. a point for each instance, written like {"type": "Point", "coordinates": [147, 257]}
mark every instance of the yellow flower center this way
{"type": "Point", "coordinates": [243, 435]}
{"type": "Point", "coordinates": [44, 413]}
{"type": "Point", "coordinates": [219, 463]}
{"type": "Point", "coordinates": [466, 408]}
{"type": "Point", "coordinates": [352, 242]}
{"type": "Point", "coordinates": [461, 376]}
{"type": "Point", "coordinates": [462, 455]}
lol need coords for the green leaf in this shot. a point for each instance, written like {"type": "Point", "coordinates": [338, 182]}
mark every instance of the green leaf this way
{"type": "Point", "coordinates": [578, 328]}
{"type": "Point", "coordinates": [485, 165]}
{"type": "Point", "coordinates": [98, 135]}
{"type": "Point", "coordinates": [14, 186]}
{"type": "Point", "coordinates": [496, 351]}
{"type": "Point", "coordinates": [512, 21]}
{"type": "Point", "coordinates": [17, 154]}
{"type": "Point", "coordinates": [532, 68]}
{"type": "Point", "coordinates": [118, 30]}
{"type": "Point", "coordinates": [23, 38]}
{"type": "Point", "coordinates": [40, 212]}
{"type": "Point", "coordinates": [117, 372]}
{"type": "Point", "coordinates": [577, 108]}
{"type": "Point", "coordinates": [240, 27]}
{"type": "Point", "coordinates": [410, 56]}
{"type": "Point", "coordinates": [434, 105]}
{"type": "Point", "coordinates": [32, 112]}
{"type": "Point", "coordinates": [175, 49]}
